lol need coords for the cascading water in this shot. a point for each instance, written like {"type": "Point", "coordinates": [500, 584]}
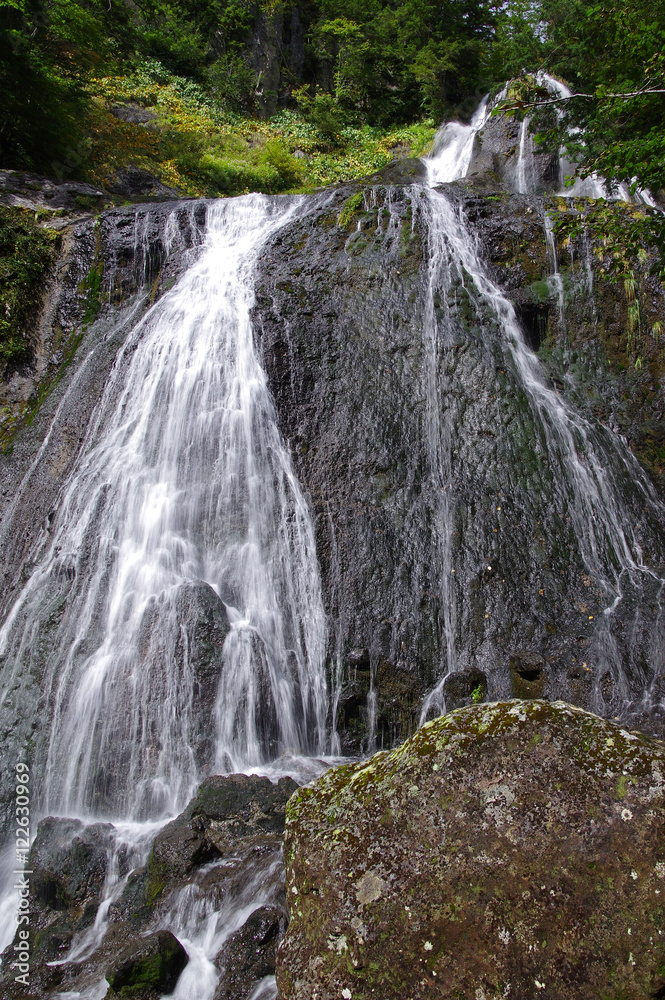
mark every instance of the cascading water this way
{"type": "Point", "coordinates": [571, 185]}
{"type": "Point", "coordinates": [184, 499]}
{"type": "Point", "coordinates": [524, 162]}
{"type": "Point", "coordinates": [183, 515]}
{"type": "Point", "coordinates": [585, 461]}
{"type": "Point", "coordinates": [453, 147]}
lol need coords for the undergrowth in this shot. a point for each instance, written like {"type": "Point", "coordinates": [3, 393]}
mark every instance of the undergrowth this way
{"type": "Point", "coordinates": [26, 254]}
{"type": "Point", "coordinates": [198, 146]}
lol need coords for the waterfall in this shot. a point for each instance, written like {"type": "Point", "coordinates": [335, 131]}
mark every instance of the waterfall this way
{"type": "Point", "coordinates": [555, 279]}
{"type": "Point", "coordinates": [453, 147]}
{"type": "Point", "coordinates": [525, 160]}
{"type": "Point", "coordinates": [183, 506]}
{"type": "Point", "coordinates": [586, 461]}
{"type": "Point", "coordinates": [175, 610]}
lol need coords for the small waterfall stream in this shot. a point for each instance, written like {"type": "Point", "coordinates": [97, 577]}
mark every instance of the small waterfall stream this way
{"type": "Point", "coordinates": [586, 461]}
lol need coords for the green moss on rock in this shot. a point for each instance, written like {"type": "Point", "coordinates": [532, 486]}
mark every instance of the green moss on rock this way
{"type": "Point", "coordinates": [502, 847]}
{"type": "Point", "coordinates": [153, 963]}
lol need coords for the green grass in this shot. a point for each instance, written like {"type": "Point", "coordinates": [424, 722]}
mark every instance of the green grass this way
{"type": "Point", "coordinates": [201, 148]}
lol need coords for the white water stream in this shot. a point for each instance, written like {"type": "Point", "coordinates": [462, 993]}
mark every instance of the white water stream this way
{"type": "Point", "coordinates": [183, 507]}
{"type": "Point", "coordinates": [608, 542]}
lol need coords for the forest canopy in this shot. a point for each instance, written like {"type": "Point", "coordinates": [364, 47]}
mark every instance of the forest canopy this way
{"type": "Point", "coordinates": [340, 64]}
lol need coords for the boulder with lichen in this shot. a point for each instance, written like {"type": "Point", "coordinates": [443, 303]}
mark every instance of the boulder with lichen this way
{"type": "Point", "coordinates": [508, 850]}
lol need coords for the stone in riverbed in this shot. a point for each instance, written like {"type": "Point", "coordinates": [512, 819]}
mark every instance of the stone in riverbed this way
{"type": "Point", "coordinates": [508, 850]}
{"type": "Point", "coordinates": [249, 954]}
{"type": "Point", "coordinates": [153, 963]}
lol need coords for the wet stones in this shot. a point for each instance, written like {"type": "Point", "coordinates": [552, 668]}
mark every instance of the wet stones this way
{"type": "Point", "coordinates": [68, 860]}
{"type": "Point", "coordinates": [249, 954]}
{"type": "Point", "coordinates": [464, 687]}
{"type": "Point", "coordinates": [231, 808]}
{"type": "Point", "coordinates": [226, 843]}
{"type": "Point", "coordinates": [152, 964]}
{"type": "Point", "coordinates": [509, 849]}
{"type": "Point", "coordinates": [447, 531]}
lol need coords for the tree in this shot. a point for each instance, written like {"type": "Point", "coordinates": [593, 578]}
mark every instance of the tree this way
{"type": "Point", "coordinates": [611, 56]}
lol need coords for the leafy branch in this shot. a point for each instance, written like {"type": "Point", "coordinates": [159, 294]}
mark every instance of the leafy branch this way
{"type": "Point", "coordinates": [600, 94]}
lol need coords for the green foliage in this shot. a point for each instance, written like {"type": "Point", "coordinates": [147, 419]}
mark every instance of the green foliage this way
{"type": "Point", "coordinates": [363, 63]}
{"type": "Point", "coordinates": [349, 209]}
{"type": "Point", "coordinates": [477, 694]}
{"type": "Point", "coordinates": [26, 255]}
{"type": "Point", "coordinates": [626, 236]}
{"type": "Point", "coordinates": [273, 170]}
{"type": "Point", "coordinates": [629, 243]}
{"type": "Point", "coordinates": [233, 82]}
{"type": "Point", "coordinates": [394, 62]}
{"type": "Point", "coordinates": [611, 52]}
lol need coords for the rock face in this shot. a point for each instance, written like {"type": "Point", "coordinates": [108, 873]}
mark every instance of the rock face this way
{"type": "Point", "coordinates": [506, 850]}
{"type": "Point", "coordinates": [445, 515]}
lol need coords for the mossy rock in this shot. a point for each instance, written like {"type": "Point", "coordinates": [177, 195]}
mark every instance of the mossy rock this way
{"type": "Point", "coordinates": [506, 850]}
{"type": "Point", "coordinates": [152, 963]}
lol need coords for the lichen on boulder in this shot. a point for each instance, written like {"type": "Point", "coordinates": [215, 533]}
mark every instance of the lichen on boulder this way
{"type": "Point", "coordinates": [510, 850]}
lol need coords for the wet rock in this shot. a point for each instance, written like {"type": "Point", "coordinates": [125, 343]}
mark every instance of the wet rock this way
{"type": "Point", "coordinates": [30, 191]}
{"type": "Point", "coordinates": [238, 812]}
{"type": "Point", "coordinates": [133, 113]}
{"type": "Point", "coordinates": [341, 312]}
{"type": "Point", "coordinates": [68, 860]}
{"type": "Point", "coordinates": [496, 152]}
{"type": "Point", "coordinates": [68, 864]}
{"type": "Point", "coordinates": [358, 659]}
{"type": "Point", "coordinates": [408, 170]}
{"type": "Point", "coordinates": [528, 677]}
{"type": "Point", "coordinates": [189, 628]}
{"type": "Point", "coordinates": [153, 963]}
{"type": "Point", "coordinates": [233, 807]}
{"type": "Point", "coordinates": [179, 848]}
{"type": "Point", "coordinates": [464, 687]}
{"type": "Point", "coordinates": [226, 843]}
{"type": "Point", "coordinates": [250, 953]}
{"type": "Point", "coordinates": [504, 850]}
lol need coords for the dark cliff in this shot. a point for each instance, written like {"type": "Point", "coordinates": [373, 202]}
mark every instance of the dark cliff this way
{"type": "Point", "coordinates": [342, 313]}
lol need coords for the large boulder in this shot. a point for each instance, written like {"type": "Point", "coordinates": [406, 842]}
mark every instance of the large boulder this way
{"type": "Point", "coordinates": [506, 850]}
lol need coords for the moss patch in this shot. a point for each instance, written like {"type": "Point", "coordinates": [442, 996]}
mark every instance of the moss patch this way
{"type": "Point", "coordinates": [27, 253]}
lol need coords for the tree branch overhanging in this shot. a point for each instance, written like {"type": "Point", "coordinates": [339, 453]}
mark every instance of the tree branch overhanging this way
{"type": "Point", "coordinates": [521, 106]}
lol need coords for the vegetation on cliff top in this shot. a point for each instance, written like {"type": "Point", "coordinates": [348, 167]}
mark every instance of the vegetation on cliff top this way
{"type": "Point", "coordinates": [228, 90]}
